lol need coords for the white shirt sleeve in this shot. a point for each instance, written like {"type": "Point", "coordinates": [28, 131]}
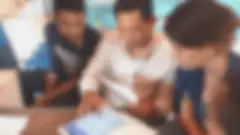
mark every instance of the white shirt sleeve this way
{"type": "Point", "coordinates": [94, 70]}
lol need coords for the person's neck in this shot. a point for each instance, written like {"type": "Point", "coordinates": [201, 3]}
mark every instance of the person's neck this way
{"type": "Point", "coordinates": [219, 64]}
{"type": "Point", "coordinates": [142, 50]}
{"type": "Point", "coordinates": [77, 41]}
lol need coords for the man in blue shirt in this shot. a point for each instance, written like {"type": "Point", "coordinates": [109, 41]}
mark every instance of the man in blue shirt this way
{"type": "Point", "coordinates": [71, 43]}
{"type": "Point", "coordinates": [202, 41]}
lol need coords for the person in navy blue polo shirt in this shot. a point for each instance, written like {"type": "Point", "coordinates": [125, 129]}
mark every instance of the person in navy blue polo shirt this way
{"type": "Point", "coordinates": [202, 33]}
{"type": "Point", "coordinates": [71, 43]}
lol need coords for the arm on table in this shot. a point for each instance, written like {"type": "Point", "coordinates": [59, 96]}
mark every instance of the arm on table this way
{"type": "Point", "coordinates": [191, 126]}
{"type": "Point", "coordinates": [187, 118]}
{"type": "Point", "coordinates": [52, 91]}
{"type": "Point", "coordinates": [164, 101]}
{"type": "Point", "coordinates": [89, 84]}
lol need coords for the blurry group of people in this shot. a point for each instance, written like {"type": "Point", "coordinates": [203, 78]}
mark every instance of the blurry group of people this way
{"type": "Point", "coordinates": [189, 69]}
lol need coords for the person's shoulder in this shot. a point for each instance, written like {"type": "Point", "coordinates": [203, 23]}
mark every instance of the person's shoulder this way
{"type": "Point", "coordinates": [162, 43]}
{"type": "Point", "coordinates": [51, 33]}
{"type": "Point", "coordinates": [235, 62]}
{"type": "Point", "coordinates": [93, 33]}
{"type": "Point", "coordinates": [111, 36]}
{"type": "Point", "coordinates": [51, 27]}
{"type": "Point", "coordinates": [163, 47]}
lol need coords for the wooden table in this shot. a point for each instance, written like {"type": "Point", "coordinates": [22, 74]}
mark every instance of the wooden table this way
{"type": "Point", "coordinates": [48, 121]}
{"type": "Point", "coordinates": [43, 121]}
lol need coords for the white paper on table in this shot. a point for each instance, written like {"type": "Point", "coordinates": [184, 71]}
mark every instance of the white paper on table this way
{"type": "Point", "coordinates": [133, 126]}
{"type": "Point", "coordinates": [130, 126]}
{"type": "Point", "coordinates": [12, 125]}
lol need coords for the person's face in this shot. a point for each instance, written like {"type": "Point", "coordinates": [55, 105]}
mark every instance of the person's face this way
{"type": "Point", "coordinates": [191, 58]}
{"type": "Point", "coordinates": [10, 7]}
{"type": "Point", "coordinates": [71, 24]}
{"type": "Point", "coordinates": [133, 28]}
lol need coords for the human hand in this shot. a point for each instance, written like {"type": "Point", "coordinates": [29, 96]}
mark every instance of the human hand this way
{"type": "Point", "coordinates": [143, 87]}
{"type": "Point", "coordinates": [143, 109]}
{"type": "Point", "coordinates": [164, 106]}
{"type": "Point", "coordinates": [187, 112]}
{"type": "Point", "coordinates": [50, 80]}
{"type": "Point", "coordinates": [90, 102]}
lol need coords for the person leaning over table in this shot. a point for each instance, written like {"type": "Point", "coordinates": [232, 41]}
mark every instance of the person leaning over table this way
{"type": "Point", "coordinates": [71, 42]}
{"type": "Point", "coordinates": [127, 57]}
{"type": "Point", "coordinates": [202, 40]}
{"type": "Point", "coordinates": [222, 115]}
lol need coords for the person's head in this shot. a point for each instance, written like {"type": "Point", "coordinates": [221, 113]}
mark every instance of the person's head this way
{"type": "Point", "coordinates": [135, 20]}
{"type": "Point", "coordinates": [10, 8]}
{"type": "Point", "coordinates": [200, 30]}
{"type": "Point", "coordinates": [224, 116]}
{"type": "Point", "coordinates": [70, 18]}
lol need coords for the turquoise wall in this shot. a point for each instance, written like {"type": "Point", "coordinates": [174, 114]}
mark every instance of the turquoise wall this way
{"type": "Point", "coordinates": [103, 17]}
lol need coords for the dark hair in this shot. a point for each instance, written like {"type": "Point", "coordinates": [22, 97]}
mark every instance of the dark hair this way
{"type": "Point", "coordinates": [229, 113]}
{"type": "Point", "coordinates": [197, 22]}
{"type": "Point", "coordinates": [143, 6]}
{"type": "Point", "coordinates": [69, 5]}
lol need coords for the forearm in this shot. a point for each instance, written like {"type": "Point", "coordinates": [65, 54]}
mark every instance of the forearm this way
{"type": "Point", "coordinates": [191, 126]}
{"type": "Point", "coordinates": [61, 88]}
{"type": "Point", "coordinates": [146, 104]}
{"type": "Point", "coordinates": [164, 100]}
{"type": "Point", "coordinates": [89, 96]}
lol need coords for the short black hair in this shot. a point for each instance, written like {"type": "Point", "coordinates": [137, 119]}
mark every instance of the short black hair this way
{"type": "Point", "coordinates": [228, 114]}
{"type": "Point", "coordinates": [197, 22]}
{"type": "Point", "coordinates": [69, 5]}
{"type": "Point", "coordinates": [143, 6]}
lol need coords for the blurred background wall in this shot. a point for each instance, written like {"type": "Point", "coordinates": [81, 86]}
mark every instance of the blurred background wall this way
{"type": "Point", "coordinates": [26, 30]}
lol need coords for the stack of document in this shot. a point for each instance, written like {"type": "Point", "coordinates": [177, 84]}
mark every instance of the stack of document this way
{"type": "Point", "coordinates": [94, 124]}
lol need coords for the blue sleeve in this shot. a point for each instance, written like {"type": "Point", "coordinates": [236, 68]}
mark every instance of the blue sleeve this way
{"type": "Point", "coordinates": [41, 59]}
{"type": "Point", "coordinates": [3, 37]}
{"type": "Point", "coordinates": [7, 59]}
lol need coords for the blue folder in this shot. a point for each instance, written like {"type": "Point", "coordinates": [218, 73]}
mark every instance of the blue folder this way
{"type": "Point", "coordinates": [95, 124]}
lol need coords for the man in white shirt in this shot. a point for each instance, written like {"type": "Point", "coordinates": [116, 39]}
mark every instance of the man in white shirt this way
{"type": "Point", "coordinates": [129, 62]}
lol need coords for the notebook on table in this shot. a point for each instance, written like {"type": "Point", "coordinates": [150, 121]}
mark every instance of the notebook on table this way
{"type": "Point", "coordinates": [93, 124]}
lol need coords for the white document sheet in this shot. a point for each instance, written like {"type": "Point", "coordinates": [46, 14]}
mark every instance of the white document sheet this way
{"type": "Point", "coordinates": [129, 126]}
{"type": "Point", "coordinates": [12, 125]}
